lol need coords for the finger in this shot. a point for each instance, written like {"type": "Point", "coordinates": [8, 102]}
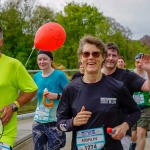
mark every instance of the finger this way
{"type": "Point", "coordinates": [83, 108]}
{"type": "Point", "coordinates": [85, 115]}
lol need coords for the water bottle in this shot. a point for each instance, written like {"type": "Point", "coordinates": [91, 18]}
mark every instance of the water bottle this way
{"type": "Point", "coordinates": [111, 131]}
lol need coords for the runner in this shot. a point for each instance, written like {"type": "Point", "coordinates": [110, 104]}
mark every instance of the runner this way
{"type": "Point", "coordinates": [143, 100]}
{"type": "Point", "coordinates": [132, 81]}
{"type": "Point", "coordinates": [91, 103]}
{"type": "Point", "coordinates": [13, 79]}
{"type": "Point", "coordinates": [51, 83]}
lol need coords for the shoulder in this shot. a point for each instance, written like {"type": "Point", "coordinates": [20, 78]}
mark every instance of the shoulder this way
{"type": "Point", "coordinates": [37, 74]}
{"type": "Point", "coordinates": [122, 71]}
{"type": "Point", "coordinates": [76, 75]}
{"type": "Point", "coordinates": [12, 61]}
{"type": "Point", "coordinates": [75, 83]}
{"type": "Point", "coordinates": [112, 80]}
{"type": "Point", "coordinates": [125, 74]}
{"type": "Point", "coordinates": [59, 72]}
{"type": "Point", "coordinates": [112, 84]}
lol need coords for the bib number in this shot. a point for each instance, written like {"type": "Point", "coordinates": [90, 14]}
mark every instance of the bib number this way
{"type": "Point", "coordinates": [4, 146]}
{"type": "Point", "coordinates": [90, 139]}
{"type": "Point", "coordinates": [142, 98]}
{"type": "Point", "coordinates": [42, 113]}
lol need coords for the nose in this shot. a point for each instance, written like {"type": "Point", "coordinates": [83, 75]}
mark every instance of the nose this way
{"type": "Point", "coordinates": [42, 60]}
{"type": "Point", "coordinates": [110, 57]}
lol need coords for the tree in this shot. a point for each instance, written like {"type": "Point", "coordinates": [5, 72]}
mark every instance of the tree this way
{"type": "Point", "coordinates": [77, 20]}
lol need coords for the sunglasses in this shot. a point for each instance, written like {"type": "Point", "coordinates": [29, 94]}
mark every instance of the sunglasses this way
{"type": "Point", "coordinates": [137, 62]}
{"type": "Point", "coordinates": [95, 54]}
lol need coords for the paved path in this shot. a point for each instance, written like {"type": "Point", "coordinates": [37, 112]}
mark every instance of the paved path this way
{"type": "Point", "coordinates": [25, 130]}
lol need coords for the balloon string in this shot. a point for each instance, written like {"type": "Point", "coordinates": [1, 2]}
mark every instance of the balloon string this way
{"type": "Point", "coordinates": [29, 56]}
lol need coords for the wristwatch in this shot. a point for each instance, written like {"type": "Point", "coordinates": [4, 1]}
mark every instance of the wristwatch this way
{"type": "Point", "coordinates": [14, 107]}
{"type": "Point", "coordinates": [58, 96]}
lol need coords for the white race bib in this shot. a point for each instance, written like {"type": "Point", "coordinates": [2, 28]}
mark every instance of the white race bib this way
{"type": "Point", "coordinates": [4, 146]}
{"type": "Point", "coordinates": [90, 139]}
{"type": "Point", "coordinates": [42, 113]}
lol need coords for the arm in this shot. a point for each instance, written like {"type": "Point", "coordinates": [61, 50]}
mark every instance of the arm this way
{"type": "Point", "coordinates": [8, 110]}
{"type": "Point", "coordinates": [23, 82]}
{"type": "Point", "coordinates": [63, 81]}
{"type": "Point", "coordinates": [64, 112]}
{"type": "Point", "coordinates": [127, 103]}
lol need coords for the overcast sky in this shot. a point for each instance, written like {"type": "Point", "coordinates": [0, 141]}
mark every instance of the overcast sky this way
{"type": "Point", "coordinates": [134, 14]}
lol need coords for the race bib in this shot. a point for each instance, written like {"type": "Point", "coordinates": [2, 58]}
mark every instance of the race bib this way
{"type": "Point", "coordinates": [90, 139]}
{"type": "Point", "coordinates": [42, 113]}
{"type": "Point", "coordinates": [4, 146]}
{"type": "Point", "coordinates": [142, 98]}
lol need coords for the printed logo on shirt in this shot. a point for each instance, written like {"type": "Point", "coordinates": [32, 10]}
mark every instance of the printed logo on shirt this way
{"type": "Point", "coordinates": [107, 100]}
{"type": "Point", "coordinates": [63, 127]}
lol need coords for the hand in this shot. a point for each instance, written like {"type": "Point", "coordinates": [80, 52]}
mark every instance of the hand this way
{"type": "Point", "coordinates": [120, 131]}
{"type": "Point", "coordinates": [51, 95]}
{"type": "Point", "coordinates": [145, 62]}
{"type": "Point", "coordinates": [7, 113]}
{"type": "Point", "coordinates": [82, 117]}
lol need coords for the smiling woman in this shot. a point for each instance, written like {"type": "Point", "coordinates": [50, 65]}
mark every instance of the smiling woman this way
{"type": "Point", "coordinates": [51, 83]}
{"type": "Point", "coordinates": [91, 103]}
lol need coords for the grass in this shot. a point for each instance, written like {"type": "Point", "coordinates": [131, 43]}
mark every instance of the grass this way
{"type": "Point", "coordinates": [28, 108]}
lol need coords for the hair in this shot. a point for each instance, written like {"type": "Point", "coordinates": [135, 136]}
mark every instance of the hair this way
{"type": "Point", "coordinates": [61, 67]}
{"type": "Point", "coordinates": [1, 33]}
{"type": "Point", "coordinates": [112, 45]}
{"type": "Point", "coordinates": [139, 56]}
{"type": "Point", "coordinates": [89, 39]}
{"type": "Point", "coordinates": [50, 55]}
{"type": "Point", "coordinates": [121, 57]}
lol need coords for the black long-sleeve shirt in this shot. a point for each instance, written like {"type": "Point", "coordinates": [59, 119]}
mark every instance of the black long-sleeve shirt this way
{"type": "Point", "coordinates": [105, 99]}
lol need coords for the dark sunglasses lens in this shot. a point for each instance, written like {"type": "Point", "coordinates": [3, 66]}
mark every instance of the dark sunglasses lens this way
{"type": "Point", "coordinates": [86, 54]}
{"type": "Point", "coordinates": [137, 62]}
{"type": "Point", "coordinates": [96, 54]}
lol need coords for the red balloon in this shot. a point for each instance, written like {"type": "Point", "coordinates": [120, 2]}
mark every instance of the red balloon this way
{"type": "Point", "coordinates": [50, 36]}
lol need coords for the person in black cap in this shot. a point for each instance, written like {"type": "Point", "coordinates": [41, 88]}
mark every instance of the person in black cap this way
{"type": "Point", "coordinates": [143, 100]}
{"type": "Point", "coordinates": [51, 83]}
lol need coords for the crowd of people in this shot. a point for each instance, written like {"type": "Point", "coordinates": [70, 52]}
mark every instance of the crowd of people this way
{"type": "Point", "coordinates": [102, 94]}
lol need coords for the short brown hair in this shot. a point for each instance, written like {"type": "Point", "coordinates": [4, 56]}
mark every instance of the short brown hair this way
{"type": "Point", "coordinates": [112, 45]}
{"type": "Point", "coordinates": [92, 40]}
{"type": "Point", "coordinates": [121, 57]}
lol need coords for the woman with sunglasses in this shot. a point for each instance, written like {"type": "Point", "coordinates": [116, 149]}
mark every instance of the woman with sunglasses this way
{"type": "Point", "coordinates": [91, 103]}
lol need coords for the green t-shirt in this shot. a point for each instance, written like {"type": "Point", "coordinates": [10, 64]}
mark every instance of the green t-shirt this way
{"type": "Point", "coordinates": [13, 78]}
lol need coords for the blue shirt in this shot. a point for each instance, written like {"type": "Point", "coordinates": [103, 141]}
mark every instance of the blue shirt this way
{"type": "Point", "coordinates": [55, 83]}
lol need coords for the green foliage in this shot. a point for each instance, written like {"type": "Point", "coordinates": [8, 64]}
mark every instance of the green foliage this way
{"type": "Point", "coordinates": [21, 20]}
{"type": "Point", "coordinates": [77, 20]}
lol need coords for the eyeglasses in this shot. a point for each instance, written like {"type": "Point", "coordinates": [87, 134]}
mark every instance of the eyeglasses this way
{"type": "Point", "coordinates": [95, 54]}
{"type": "Point", "coordinates": [137, 62]}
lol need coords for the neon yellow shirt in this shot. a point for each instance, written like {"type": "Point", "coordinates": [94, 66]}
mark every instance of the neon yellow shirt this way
{"type": "Point", "coordinates": [13, 77]}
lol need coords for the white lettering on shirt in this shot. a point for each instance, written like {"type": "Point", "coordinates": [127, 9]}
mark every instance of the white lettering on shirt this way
{"type": "Point", "coordinates": [106, 100]}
